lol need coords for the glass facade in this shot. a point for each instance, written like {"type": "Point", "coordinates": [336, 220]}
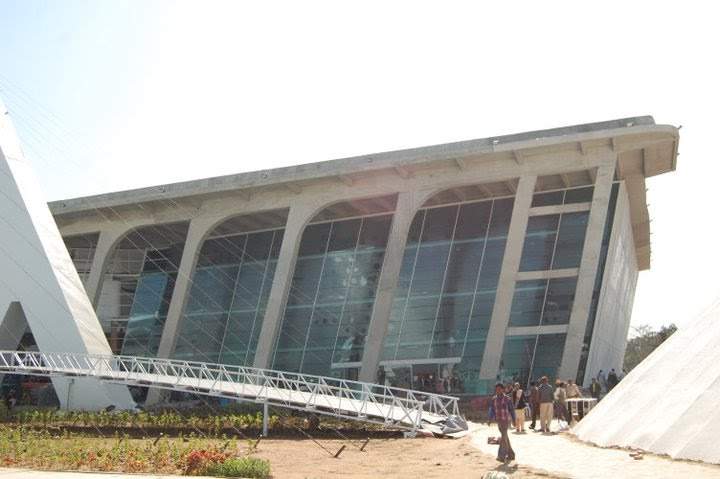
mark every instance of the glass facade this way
{"type": "Point", "coordinates": [531, 357]}
{"type": "Point", "coordinates": [542, 302]}
{"type": "Point", "coordinates": [442, 305]}
{"type": "Point", "coordinates": [563, 197]}
{"type": "Point", "coordinates": [137, 285]}
{"type": "Point", "coordinates": [331, 296]}
{"type": "Point", "coordinates": [151, 301]}
{"type": "Point", "coordinates": [226, 304]}
{"type": "Point", "coordinates": [552, 242]}
{"type": "Point", "coordinates": [445, 296]}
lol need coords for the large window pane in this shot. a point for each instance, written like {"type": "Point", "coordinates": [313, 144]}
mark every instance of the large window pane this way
{"type": "Point", "coordinates": [528, 303]}
{"type": "Point", "coordinates": [548, 355]}
{"type": "Point", "coordinates": [542, 302]}
{"type": "Point", "coordinates": [571, 237]}
{"type": "Point", "coordinates": [333, 291]}
{"type": "Point", "coordinates": [226, 304]}
{"type": "Point", "coordinates": [559, 302]}
{"type": "Point", "coordinates": [539, 243]}
{"type": "Point", "coordinates": [517, 358]}
{"type": "Point", "coordinates": [446, 293]}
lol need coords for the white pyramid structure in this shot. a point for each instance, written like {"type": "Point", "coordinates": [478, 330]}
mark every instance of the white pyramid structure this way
{"type": "Point", "coordinates": [670, 403]}
{"type": "Point", "coordinates": [39, 285]}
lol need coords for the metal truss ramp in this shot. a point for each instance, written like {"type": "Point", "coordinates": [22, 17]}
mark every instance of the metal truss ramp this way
{"type": "Point", "coordinates": [402, 408]}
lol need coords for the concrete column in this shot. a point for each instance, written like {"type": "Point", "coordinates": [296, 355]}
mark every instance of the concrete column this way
{"type": "Point", "coordinates": [103, 253]}
{"type": "Point", "coordinates": [299, 215]}
{"type": "Point", "coordinates": [506, 283]}
{"type": "Point", "coordinates": [197, 231]}
{"type": "Point", "coordinates": [407, 205]}
{"type": "Point", "coordinates": [588, 271]}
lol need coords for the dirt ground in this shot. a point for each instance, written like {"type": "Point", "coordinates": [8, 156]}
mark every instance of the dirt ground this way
{"type": "Point", "coordinates": [389, 458]}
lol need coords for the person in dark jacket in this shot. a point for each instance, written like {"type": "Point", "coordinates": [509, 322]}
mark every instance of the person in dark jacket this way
{"type": "Point", "coordinates": [534, 403]}
{"type": "Point", "coordinates": [519, 401]}
{"type": "Point", "coordinates": [546, 396]}
{"type": "Point", "coordinates": [502, 411]}
{"type": "Point", "coordinates": [612, 380]}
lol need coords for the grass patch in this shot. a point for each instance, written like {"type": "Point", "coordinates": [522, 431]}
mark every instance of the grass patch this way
{"type": "Point", "coordinates": [250, 467]}
{"type": "Point", "coordinates": [22, 447]}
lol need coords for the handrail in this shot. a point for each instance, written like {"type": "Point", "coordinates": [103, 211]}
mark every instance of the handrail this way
{"type": "Point", "coordinates": [404, 408]}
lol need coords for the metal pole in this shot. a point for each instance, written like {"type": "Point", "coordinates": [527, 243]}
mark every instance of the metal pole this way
{"type": "Point", "coordinates": [265, 419]}
{"type": "Point", "coordinates": [67, 402]}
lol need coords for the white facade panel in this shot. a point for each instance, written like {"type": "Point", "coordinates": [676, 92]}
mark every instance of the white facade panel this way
{"type": "Point", "coordinates": [37, 272]}
{"type": "Point", "coordinates": [612, 320]}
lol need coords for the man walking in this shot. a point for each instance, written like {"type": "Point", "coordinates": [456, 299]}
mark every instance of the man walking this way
{"type": "Point", "coordinates": [534, 403]}
{"type": "Point", "coordinates": [502, 411]}
{"type": "Point", "coordinates": [595, 389]}
{"type": "Point", "coordinates": [545, 393]}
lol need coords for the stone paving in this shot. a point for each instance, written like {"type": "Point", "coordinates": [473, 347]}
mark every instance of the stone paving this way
{"type": "Point", "coordinates": [561, 454]}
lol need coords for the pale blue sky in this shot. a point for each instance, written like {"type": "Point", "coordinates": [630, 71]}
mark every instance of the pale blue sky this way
{"type": "Point", "coordinates": [114, 95]}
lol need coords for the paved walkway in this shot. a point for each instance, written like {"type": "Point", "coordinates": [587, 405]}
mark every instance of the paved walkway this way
{"type": "Point", "coordinates": [563, 455]}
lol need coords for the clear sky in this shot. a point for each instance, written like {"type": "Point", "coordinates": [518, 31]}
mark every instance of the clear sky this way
{"type": "Point", "coordinates": [115, 95]}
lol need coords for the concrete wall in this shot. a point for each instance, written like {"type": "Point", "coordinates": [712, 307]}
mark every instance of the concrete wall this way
{"type": "Point", "coordinates": [612, 322]}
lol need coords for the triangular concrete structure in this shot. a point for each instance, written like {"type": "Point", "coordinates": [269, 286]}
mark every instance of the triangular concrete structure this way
{"type": "Point", "coordinates": [39, 283]}
{"type": "Point", "coordinates": [668, 404]}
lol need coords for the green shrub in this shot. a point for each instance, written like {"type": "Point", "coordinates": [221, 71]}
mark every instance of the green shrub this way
{"type": "Point", "coordinates": [248, 466]}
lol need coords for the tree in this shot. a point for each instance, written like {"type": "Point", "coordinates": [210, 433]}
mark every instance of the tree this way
{"type": "Point", "coordinates": [644, 342]}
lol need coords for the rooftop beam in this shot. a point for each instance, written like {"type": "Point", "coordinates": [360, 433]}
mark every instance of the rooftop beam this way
{"type": "Point", "coordinates": [293, 187]}
{"type": "Point", "coordinates": [346, 180]}
{"type": "Point", "coordinates": [484, 190]}
{"type": "Point", "coordinates": [403, 172]}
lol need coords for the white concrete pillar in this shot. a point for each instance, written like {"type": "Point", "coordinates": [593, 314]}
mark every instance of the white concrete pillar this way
{"type": "Point", "coordinates": [104, 250]}
{"type": "Point", "coordinates": [588, 271]}
{"type": "Point", "coordinates": [508, 273]}
{"type": "Point", "coordinates": [299, 215]}
{"type": "Point", "coordinates": [197, 231]}
{"type": "Point", "coordinates": [407, 205]}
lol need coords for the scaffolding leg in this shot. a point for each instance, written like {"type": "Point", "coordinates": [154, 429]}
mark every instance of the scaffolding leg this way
{"type": "Point", "coordinates": [266, 419]}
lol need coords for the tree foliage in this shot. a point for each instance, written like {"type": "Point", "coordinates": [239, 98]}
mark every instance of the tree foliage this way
{"type": "Point", "coordinates": [644, 342]}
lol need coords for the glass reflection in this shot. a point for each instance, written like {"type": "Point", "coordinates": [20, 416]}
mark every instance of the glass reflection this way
{"type": "Point", "coordinates": [331, 296]}
{"type": "Point", "coordinates": [226, 305]}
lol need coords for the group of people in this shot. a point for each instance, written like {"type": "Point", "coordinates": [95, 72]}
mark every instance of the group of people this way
{"type": "Point", "coordinates": [607, 383]}
{"type": "Point", "coordinates": [509, 405]}
{"type": "Point", "coordinates": [437, 384]}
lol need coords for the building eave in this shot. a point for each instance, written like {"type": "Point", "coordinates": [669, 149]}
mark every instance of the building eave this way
{"type": "Point", "coordinates": [644, 149]}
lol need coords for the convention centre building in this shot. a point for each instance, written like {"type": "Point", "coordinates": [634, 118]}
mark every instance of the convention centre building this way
{"type": "Point", "coordinates": [440, 268]}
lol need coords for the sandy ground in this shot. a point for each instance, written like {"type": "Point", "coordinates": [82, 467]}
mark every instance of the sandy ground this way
{"type": "Point", "coordinates": [420, 458]}
{"type": "Point", "coordinates": [562, 454]}
{"type": "Point", "coordinates": [388, 458]}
